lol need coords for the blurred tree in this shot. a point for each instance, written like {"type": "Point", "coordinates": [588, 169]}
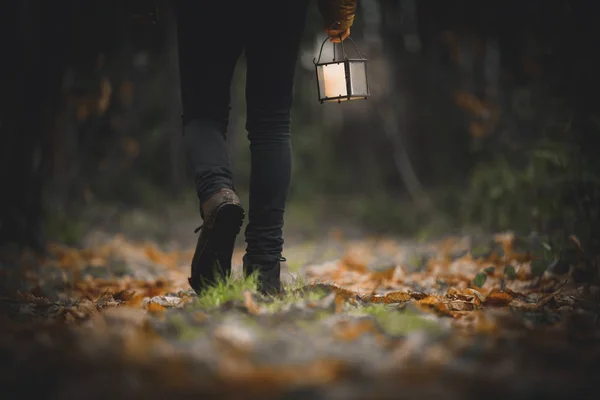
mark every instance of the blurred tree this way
{"type": "Point", "coordinates": [33, 37]}
{"type": "Point", "coordinates": [487, 108]}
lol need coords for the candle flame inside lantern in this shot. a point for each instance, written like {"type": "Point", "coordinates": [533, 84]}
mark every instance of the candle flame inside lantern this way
{"type": "Point", "coordinates": [334, 77]}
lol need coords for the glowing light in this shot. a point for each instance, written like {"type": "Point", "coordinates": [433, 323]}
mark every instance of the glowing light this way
{"type": "Point", "coordinates": [334, 77]}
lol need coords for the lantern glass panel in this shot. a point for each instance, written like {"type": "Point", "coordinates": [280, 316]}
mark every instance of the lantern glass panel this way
{"type": "Point", "coordinates": [332, 80]}
{"type": "Point", "coordinates": [358, 78]}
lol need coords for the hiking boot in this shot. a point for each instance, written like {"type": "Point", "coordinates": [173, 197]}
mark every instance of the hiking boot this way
{"type": "Point", "coordinates": [269, 270]}
{"type": "Point", "coordinates": [223, 216]}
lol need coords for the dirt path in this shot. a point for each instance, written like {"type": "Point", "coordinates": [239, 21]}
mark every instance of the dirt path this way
{"type": "Point", "coordinates": [372, 318]}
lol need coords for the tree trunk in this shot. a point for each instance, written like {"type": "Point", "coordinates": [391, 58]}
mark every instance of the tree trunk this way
{"type": "Point", "coordinates": [33, 34]}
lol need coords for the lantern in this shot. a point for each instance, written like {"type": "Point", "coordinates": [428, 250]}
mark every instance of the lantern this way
{"type": "Point", "coordinates": [341, 80]}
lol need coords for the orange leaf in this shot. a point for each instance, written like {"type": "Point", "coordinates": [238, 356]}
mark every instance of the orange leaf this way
{"type": "Point", "coordinates": [354, 265]}
{"type": "Point", "coordinates": [249, 303]}
{"type": "Point", "coordinates": [124, 295]}
{"type": "Point", "coordinates": [135, 300]}
{"type": "Point", "coordinates": [153, 254]}
{"type": "Point", "coordinates": [156, 308]}
{"type": "Point", "coordinates": [429, 300]}
{"type": "Point", "coordinates": [434, 303]}
{"type": "Point", "coordinates": [339, 303]}
{"type": "Point", "coordinates": [497, 298]}
{"type": "Point", "coordinates": [383, 275]}
{"type": "Point", "coordinates": [397, 297]}
{"type": "Point", "coordinates": [351, 331]}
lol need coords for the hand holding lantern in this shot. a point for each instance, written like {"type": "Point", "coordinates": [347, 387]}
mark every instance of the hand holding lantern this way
{"type": "Point", "coordinates": [341, 80]}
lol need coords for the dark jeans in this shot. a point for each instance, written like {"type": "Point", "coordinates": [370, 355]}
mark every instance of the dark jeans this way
{"type": "Point", "coordinates": [212, 35]}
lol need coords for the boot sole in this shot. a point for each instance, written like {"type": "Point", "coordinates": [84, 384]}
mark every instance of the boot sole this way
{"type": "Point", "coordinates": [226, 226]}
{"type": "Point", "coordinates": [228, 222]}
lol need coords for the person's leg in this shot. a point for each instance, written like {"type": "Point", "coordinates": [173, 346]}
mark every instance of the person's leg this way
{"type": "Point", "coordinates": [207, 57]}
{"type": "Point", "coordinates": [272, 52]}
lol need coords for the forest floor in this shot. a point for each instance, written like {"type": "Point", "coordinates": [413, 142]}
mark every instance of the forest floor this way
{"type": "Point", "coordinates": [364, 318]}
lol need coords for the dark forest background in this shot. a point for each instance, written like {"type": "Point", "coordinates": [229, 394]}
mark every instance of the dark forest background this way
{"type": "Point", "coordinates": [484, 115]}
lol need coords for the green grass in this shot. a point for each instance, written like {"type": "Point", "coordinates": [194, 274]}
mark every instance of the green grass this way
{"type": "Point", "coordinates": [296, 291]}
{"type": "Point", "coordinates": [231, 289]}
{"type": "Point", "coordinates": [393, 321]}
{"type": "Point", "coordinates": [225, 290]}
{"type": "Point", "coordinates": [398, 322]}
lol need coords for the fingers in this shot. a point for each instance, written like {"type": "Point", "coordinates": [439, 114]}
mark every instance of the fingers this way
{"type": "Point", "coordinates": [335, 35]}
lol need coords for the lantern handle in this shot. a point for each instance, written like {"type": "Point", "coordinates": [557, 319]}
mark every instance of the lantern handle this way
{"type": "Point", "coordinates": [317, 61]}
{"type": "Point", "coordinates": [355, 48]}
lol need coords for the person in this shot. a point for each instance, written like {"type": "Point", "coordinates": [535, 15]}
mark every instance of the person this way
{"type": "Point", "coordinates": [211, 37]}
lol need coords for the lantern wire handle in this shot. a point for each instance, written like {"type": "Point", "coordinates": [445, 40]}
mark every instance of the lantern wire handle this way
{"type": "Point", "coordinates": [317, 61]}
{"type": "Point", "coordinates": [342, 45]}
{"type": "Point", "coordinates": [356, 48]}
{"type": "Point", "coordinates": [334, 50]}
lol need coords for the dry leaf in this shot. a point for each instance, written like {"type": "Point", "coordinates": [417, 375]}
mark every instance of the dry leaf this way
{"type": "Point", "coordinates": [352, 330]}
{"type": "Point", "coordinates": [460, 306]}
{"type": "Point", "coordinates": [497, 298]}
{"type": "Point", "coordinates": [124, 295]}
{"type": "Point", "coordinates": [397, 297]}
{"type": "Point", "coordinates": [155, 308]}
{"type": "Point", "coordinates": [250, 305]}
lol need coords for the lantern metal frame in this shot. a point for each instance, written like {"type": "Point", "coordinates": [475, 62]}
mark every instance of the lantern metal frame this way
{"type": "Point", "coordinates": [346, 61]}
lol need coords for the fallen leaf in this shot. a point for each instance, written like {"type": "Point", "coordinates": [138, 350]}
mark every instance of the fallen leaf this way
{"type": "Point", "coordinates": [339, 302]}
{"type": "Point", "coordinates": [397, 297]}
{"type": "Point", "coordinates": [124, 295]}
{"type": "Point", "coordinates": [155, 308]}
{"type": "Point", "coordinates": [249, 303]}
{"type": "Point", "coordinates": [497, 298]}
{"type": "Point", "coordinates": [387, 274]}
{"type": "Point", "coordinates": [352, 264]}
{"type": "Point", "coordinates": [352, 330]}
{"type": "Point", "coordinates": [460, 306]}
{"type": "Point", "coordinates": [153, 254]}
